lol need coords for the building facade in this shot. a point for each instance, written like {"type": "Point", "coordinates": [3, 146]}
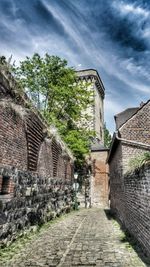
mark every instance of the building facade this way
{"type": "Point", "coordinates": [98, 191]}
{"type": "Point", "coordinates": [96, 110]}
{"type": "Point", "coordinates": [129, 188]}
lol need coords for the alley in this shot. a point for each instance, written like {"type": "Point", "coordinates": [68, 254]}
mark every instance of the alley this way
{"type": "Point", "coordinates": [82, 238]}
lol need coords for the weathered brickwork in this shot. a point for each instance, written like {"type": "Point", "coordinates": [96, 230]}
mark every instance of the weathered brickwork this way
{"type": "Point", "coordinates": [137, 195]}
{"type": "Point", "coordinates": [35, 166]}
{"type": "Point", "coordinates": [99, 179]}
{"type": "Point", "coordinates": [137, 128]}
{"type": "Point", "coordinates": [35, 137]}
{"type": "Point", "coordinates": [44, 166]}
{"type": "Point", "coordinates": [119, 165]}
{"type": "Point", "coordinates": [130, 191]}
{"type": "Point", "coordinates": [130, 196]}
{"type": "Point", "coordinates": [13, 143]}
{"type": "Point", "coordinates": [56, 164]}
{"type": "Point", "coordinates": [116, 183]}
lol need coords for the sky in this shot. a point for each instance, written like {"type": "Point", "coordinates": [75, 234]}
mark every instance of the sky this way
{"type": "Point", "coordinates": [111, 36]}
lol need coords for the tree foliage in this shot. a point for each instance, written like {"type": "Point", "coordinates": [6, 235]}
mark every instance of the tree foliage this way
{"type": "Point", "coordinates": [54, 89]}
{"type": "Point", "coordinates": [107, 137]}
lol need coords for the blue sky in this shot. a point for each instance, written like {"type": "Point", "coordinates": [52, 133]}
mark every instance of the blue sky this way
{"type": "Point", "coordinates": [112, 36]}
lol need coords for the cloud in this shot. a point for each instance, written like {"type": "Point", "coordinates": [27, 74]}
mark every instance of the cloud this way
{"type": "Point", "coordinates": [137, 16]}
{"type": "Point", "coordinates": [110, 36]}
{"type": "Point", "coordinates": [131, 8]}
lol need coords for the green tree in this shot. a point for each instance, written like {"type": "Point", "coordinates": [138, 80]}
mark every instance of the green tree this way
{"type": "Point", "coordinates": [107, 137]}
{"type": "Point", "coordinates": [54, 89]}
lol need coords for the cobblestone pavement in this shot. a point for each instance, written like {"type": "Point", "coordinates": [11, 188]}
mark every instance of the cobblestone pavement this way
{"type": "Point", "coordinates": [83, 238]}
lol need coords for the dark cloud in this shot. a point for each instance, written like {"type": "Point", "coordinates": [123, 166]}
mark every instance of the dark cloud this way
{"type": "Point", "coordinates": [111, 36]}
{"type": "Point", "coordinates": [143, 3]}
{"type": "Point", "coordinates": [124, 32]}
{"type": "Point", "coordinates": [34, 14]}
{"type": "Point", "coordinates": [7, 7]}
{"type": "Point", "coordinates": [44, 19]}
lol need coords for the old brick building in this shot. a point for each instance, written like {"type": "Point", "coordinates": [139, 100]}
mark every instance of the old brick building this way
{"type": "Point", "coordinates": [130, 191]}
{"type": "Point", "coordinates": [99, 178]}
{"type": "Point", "coordinates": [35, 165]}
{"type": "Point", "coordinates": [98, 192]}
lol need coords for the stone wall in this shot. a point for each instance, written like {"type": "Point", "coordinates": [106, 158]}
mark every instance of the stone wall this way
{"type": "Point", "coordinates": [96, 110]}
{"type": "Point", "coordinates": [30, 201]}
{"type": "Point", "coordinates": [36, 167]}
{"type": "Point", "coordinates": [130, 196]}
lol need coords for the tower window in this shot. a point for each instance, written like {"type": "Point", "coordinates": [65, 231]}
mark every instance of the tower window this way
{"type": "Point", "coordinates": [100, 132]}
{"type": "Point", "coordinates": [100, 115]}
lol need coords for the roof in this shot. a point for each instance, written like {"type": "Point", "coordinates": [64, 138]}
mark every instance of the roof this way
{"type": "Point", "coordinates": [116, 139]}
{"type": "Point", "coordinates": [141, 106]}
{"type": "Point", "coordinates": [123, 116]}
{"type": "Point", "coordinates": [97, 146]}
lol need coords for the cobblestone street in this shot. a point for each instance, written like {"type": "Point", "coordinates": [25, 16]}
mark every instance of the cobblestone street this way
{"type": "Point", "coordinates": [83, 238]}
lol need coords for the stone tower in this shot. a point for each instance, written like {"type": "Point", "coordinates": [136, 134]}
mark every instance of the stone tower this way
{"type": "Point", "coordinates": [98, 180]}
{"type": "Point", "coordinates": [96, 111]}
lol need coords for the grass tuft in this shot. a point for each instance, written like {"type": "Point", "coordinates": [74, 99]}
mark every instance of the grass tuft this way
{"type": "Point", "coordinates": [138, 161]}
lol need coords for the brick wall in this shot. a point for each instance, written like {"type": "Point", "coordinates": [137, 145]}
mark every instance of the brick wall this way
{"type": "Point", "coordinates": [13, 143]}
{"type": "Point", "coordinates": [130, 191]}
{"type": "Point", "coordinates": [35, 166]}
{"type": "Point", "coordinates": [34, 136]}
{"type": "Point", "coordinates": [44, 166]}
{"type": "Point", "coordinates": [116, 183]}
{"type": "Point", "coordinates": [53, 164]}
{"type": "Point", "coordinates": [99, 186]}
{"type": "Point", "coordinates": [130, 194]}
{"type": "Point", "coordinates": [137, 196]}
{"type": "Point", "coordinates": [24, 139]}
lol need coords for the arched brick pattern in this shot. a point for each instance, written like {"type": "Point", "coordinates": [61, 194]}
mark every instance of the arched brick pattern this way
{"type": "Point", "coordinates": [34, 133]}
{"type": "Point", "coordinates": [56, 150]}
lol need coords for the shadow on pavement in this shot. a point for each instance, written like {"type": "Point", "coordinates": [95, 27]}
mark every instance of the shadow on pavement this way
{"type": "Point", "coordinates": [128, 238]}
